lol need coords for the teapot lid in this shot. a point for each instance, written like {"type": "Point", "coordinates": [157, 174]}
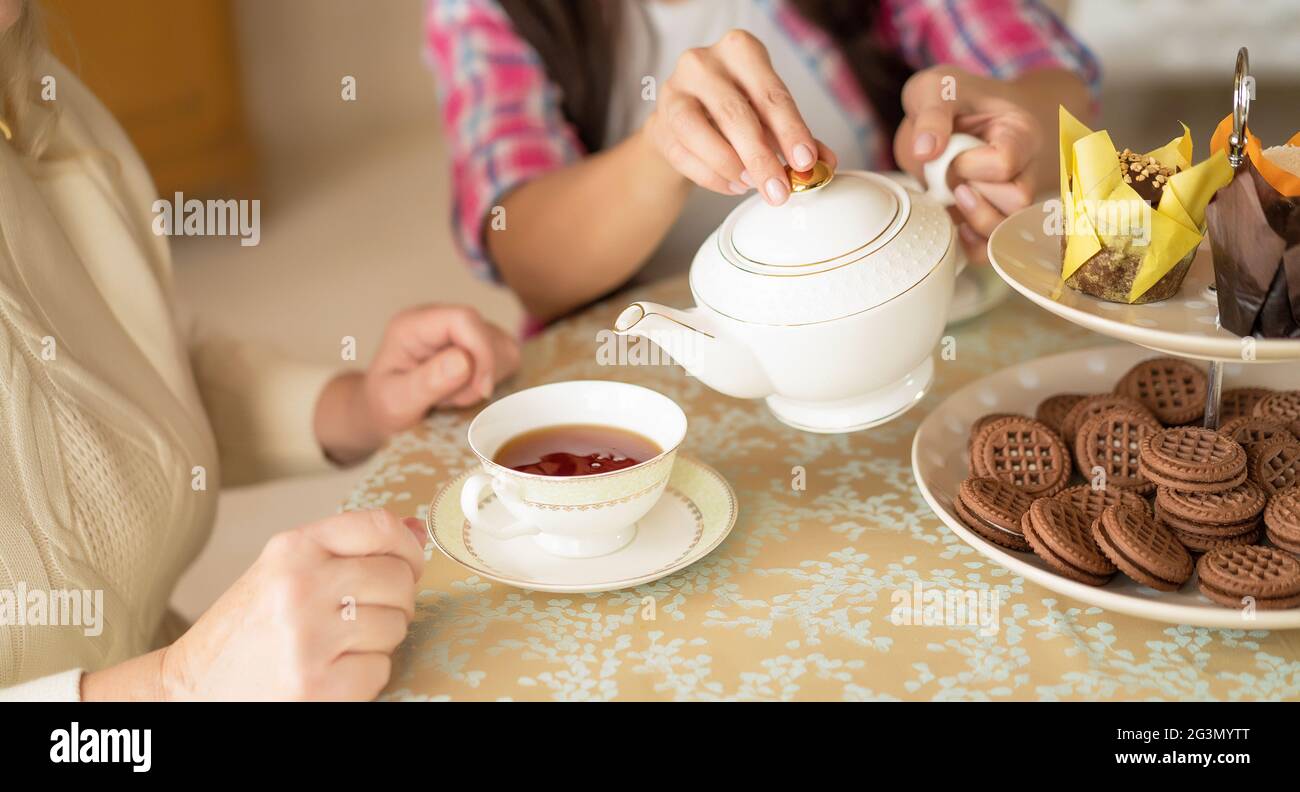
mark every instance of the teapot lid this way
{"type": "Point", "coordinates": [841, 244]}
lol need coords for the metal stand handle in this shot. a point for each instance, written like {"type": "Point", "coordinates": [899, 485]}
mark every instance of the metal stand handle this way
{"type": "Point", "coordinates": [1242, 87]}
{"type": "Point", "coordinates": [1214, 396]}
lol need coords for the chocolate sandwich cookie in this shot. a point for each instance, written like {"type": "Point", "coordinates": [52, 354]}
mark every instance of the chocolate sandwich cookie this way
{"type": "Point", "coordinates": [1207, 531]}
{"type": "Point", "coordinates": [1142, 548]}
{"type": "Point", "coordinates": [1096, 405]}
{"type": "Point", "coordinates": [1053, 409]}
{"type": "Point", "coordinates": [1172, 389]}
{"type": "Point", "coordinates": [1241, 504]}
{"type": "Point", "coordinates": [1094, 501]}
{"type": "Point", "coordinates": [1110, 442]}
{"type": "Point", "coordinates": [1194, 486]}
{"type": "Point", "coordinates": [1024, 453]}
{"type": "Point", "coordinates": [1203, 537]}
{"type": "Point", "coordinates": [1282, 406]}
{"type": "Point", "coordinates": [1061, 535]}
{"type": "Point", "coordinates": [978, 435]}
{"type": "Point", "coordinates": [1197, 544]}
{"type": "Point", "coordinates": [1274, 464]}
{"type": "Point", "coordinates": [1249, 430]}
{"type": "Point", "coordinates": [977, 432]}
{"type": "Point", "coordinates": [985, 420]}
{"type": "Point", "coordinates": [993, 510]}
{"type": "Point", "coordinates": [1270, 577]}
{"type": "Point", "coordinates": [1192, 459]}
{"type": "Point", "coordinates": [1240, 402]}
{"type": "Point", "coordinates": [1282, 520]}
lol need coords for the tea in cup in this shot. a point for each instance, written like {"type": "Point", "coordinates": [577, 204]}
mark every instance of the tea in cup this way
{"type": "Point", "coordinates": [575, 464]}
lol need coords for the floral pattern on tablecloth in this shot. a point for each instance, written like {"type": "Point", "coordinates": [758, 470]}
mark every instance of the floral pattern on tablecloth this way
{"type": "Point", "coordinates": [797, 602]}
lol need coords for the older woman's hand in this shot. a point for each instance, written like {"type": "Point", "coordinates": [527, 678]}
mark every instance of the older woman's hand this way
{"type": "Point", "coordinates": [317, 616]}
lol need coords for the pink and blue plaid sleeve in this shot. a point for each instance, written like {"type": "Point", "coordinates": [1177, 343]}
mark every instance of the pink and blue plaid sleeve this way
{"type": "Point", "coordinates": [502, 121]}
{"type": "Point", "coordinates": [998, 38]}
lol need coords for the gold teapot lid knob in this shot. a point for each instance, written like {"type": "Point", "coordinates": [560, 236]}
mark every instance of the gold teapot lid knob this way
{"type": "Point", "coordinates": [806, 181]}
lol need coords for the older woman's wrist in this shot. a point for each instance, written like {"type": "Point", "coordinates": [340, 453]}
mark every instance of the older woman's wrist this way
{"type": "Point", "coordinates": [143, 678]}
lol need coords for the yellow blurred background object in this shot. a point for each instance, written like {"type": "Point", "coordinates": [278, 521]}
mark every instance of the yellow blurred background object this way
{"type": "Point", "coordinates": [169, 72]}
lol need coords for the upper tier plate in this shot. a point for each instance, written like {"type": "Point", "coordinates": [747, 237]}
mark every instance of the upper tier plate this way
{"type": "Point", "coordinates": [1186, 325]}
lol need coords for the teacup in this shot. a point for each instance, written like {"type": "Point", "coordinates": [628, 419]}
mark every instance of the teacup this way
{"type": "Point", "coordinates": [576, 516]}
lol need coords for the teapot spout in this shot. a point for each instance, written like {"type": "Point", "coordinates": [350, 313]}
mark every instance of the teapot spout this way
{"type": "Point", "coordinates": [701, 345]}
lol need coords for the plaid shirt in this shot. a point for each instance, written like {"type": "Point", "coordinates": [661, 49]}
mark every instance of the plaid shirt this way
{"type": "Point", "coordinates": [503, 122]}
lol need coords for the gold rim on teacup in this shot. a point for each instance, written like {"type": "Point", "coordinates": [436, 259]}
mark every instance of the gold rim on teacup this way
{"type": "Point", "coordinates": [495, 468]}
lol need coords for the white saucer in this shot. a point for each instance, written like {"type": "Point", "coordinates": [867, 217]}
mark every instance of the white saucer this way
{"type": "Point", "coordinates": [1187, 324]}
{"type": "Point", "coordinates": [695, 514]}
{"type": "Point", "coordinates": [939, 464]}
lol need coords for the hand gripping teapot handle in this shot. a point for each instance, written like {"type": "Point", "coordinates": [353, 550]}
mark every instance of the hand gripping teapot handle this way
{"type": "Point", "coordinates": [936, 170]}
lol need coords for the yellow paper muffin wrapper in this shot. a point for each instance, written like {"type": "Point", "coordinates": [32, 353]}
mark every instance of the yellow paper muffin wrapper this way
{"type": "Point", "coordinates": [1092, 184]}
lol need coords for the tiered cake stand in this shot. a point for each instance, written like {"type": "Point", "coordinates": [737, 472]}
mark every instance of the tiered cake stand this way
{"type": "Point", "coordinates": [1186, 325]}
{"type": "Point", "coordinates": [1028, 258]}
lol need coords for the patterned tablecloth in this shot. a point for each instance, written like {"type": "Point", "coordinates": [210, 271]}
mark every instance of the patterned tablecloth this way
{"type": "Point", "coordinates": [797, 602]}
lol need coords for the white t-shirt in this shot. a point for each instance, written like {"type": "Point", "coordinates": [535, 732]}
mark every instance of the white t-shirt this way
{"type": "Point", "coordinates": [654, 34]}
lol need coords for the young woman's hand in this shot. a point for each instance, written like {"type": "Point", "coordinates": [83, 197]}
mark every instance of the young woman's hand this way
{"type": "Point", "coordinates": [317, 616]}
{"type": "Point", "coordinates": [991, 182]}
{"type": "Point", "coordinates": [724, 117]}
{"type": "Point", "coordinates": [431, 356]}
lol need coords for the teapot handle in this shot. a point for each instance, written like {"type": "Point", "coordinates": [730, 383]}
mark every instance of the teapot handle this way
{"type": "Point", "coordinates": [936, 170]}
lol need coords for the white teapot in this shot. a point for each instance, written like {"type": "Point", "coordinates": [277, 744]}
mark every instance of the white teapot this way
{"type": "Point", "coordinates": [829, 306]}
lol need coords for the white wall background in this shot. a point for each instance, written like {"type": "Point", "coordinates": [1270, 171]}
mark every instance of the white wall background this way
{"type": "Point", "coordinates": [1170, 60]}
{"type": "Point", "coordinates": [354, 226]}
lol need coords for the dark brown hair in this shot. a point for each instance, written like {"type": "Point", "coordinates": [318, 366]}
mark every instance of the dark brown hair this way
{"type": "Point", "coordinates": [575, 40]}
